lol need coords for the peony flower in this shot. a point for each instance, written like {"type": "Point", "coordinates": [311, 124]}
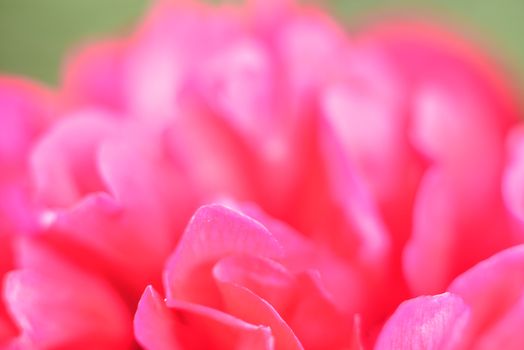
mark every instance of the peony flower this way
{"type": "Point", "coordinates": [252, 177]}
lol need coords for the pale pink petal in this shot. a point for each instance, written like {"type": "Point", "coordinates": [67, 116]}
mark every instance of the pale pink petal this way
{"type": "Point", "coordinates": [170, 47]}
{"type": "Point", "coordinates": [93, 75]}
{"type": "Point", "coordinates": [366, 109]}
{"type": "Point", "coordinates": [311, 47]}
{"type": "Point", "coordinates": [64, 162]}
{"type": "Point", "coordinates": [298, 250]}
{"type": "Point", "coordinates": [429, 253]}
{"type": "Point", "coordinates": [18, 214]}
{"type": "Point", "coordinates": [367, 113]}
{"type": "Point", "coordinates": [506, 332]}
{"type": "Point", "coordinates": [264, 277]}
{"type": "Point", "coordinates": [493, 289]}
{"type": "Point", "coordinates": [298, 300]}
{"type": "Point", "coordinates": [223, 330]}
{"type": "Point", "coordinates": [457, 205]}
{"type": "Point", "coordinates": [140, 174]}
{"type": "Point", "coordinates": [415, 46]}
{"type": "Point", "coordinates": [342, 280]}
{"type": "Point", "coordinates": [154, 324]}
{"type": "Point", "coordinates": [25, 110]}
{"type": "Point", "coordinates": [214, 159]}
{"type": "Point", "coordinates": [349, 194]}
{"type": "Point", "coordinates": [182, 325]}
{"type": "Point", "coordinates": [238, 83]}
{"type": "Point", "coordinates": [327, 325]}
{"type": "Point", "coordinates": [213, 233]}
{"type": "Point", "coordinates": [47, 295]}
{"type": "Point", "coordinates": [244, 304]}
{"type": "Point", "coordinates": [427, 322]}
{"type": "Point", "coordinates": [446, 111]}
{"type": "Point", "coordinates": [513, 184]}
{"type": "Point", "coordinates": [135, 224]}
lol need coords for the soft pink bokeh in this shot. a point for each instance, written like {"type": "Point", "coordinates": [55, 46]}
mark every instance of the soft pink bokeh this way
{"type": "Point", "coordinates": [252, 177]}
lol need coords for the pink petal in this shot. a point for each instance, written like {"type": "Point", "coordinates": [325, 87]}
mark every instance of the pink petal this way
{"type": "Point", "coordinates": [170, 47]}
{"type": "Point", "coordinates": [7, 330]}
{"type": "Point", "coordinates": [429, 253]}
{"type": "Point", "coordinates": [327, 325]}
{"type": "Point", "coordinates": [311, 47]}
{"type": "Point", "coordinates": [64, 163]}
{"type": "Point", "coordinates": [213, 158]}
{"type": "Point", "coordinates": [94, 76]}
{"type": "Point", "coordinates": [494, 289]}
{"type": "Point", "coordinates": [415, 45]}
{"type": "Point", "coordinates": [360, 214]}
{"type": "Point", "coordinates": [47, 295]}
{"type": "Point", "coordinates": [505, 334]}
{"type": "Point", "coordinates": [427, 322]}
{"type": "Point", "coordinates": [443, 225]}
{"type": "Point", "coordinates": [238, 82]}
{"type": "Point", "coordinates": [183, 325]}
{"type": "Point", "coordinates": [213, 233]}
{"type": "Point", "coordinates": [445, 111]}
{"type": "Point", "coordinates": [512, 184]}
{"type": "Point", "coordinates": [155, 324]}
{"type": "Point", "coordinates": [342, 280]}
{"type": "Point", "coordinates": [366, 110]}
{"type": "Point", "coordinates": [25, 110]}
{"type": "Point", "coordinates": [244, 304]}
{"type": "Point", "coordinates": [298, 250]}
{"type": "Point", "coordinates": [132, 228]}
{"type": "Point", "coordinates": [264, 277]}
{"type": "Point", "coordinates": [464, 202]}
{"type": "Point", "coordinates": [153, 188]}
{"type": "Point", "coordinates": [298, 300]}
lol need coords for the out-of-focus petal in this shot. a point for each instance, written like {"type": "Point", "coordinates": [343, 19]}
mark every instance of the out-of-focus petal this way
{"type": "Point", "coordinates": [128, 219]}
{"type": "Point", "coordinates": [415, 46]}
{"type": "Point", "coordinates": [494, 289]}
{"type": "Point", "coordinates": [464, 203]}
{"type": "Point", "coordinates": [427, 322]}
{"type": "Point", "coordinates": [513, 181]}
{"type": "Point", "coordinates": [64, 162]}
{"type": "Point", "coordinates": [462, 94]}
{"type": "Point", "coordinates": [212, 157]}
{"type": "Point", "coordinates": [47, 295]}
{"type": "Point", "coordinates": [311, 47]}
{"type": "Point", "coordinates": [25, 111]}
{"type": "Point", "coordinates": [170, 47]}
{"type": "Point", "coordinates": [93, 76]}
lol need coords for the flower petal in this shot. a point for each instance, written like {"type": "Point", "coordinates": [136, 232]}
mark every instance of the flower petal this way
{"type": "Point", "coordinates": [500, 279]}
{"type": "Point", "coordinates": [181, 325]}
{"type": "Point", "coordinates": [63, 163]}
{"type": "Point", "coordinates": [427, 322]}
{"type": "Point", "coordinates": [213, 232]}
{"type": "Point", "coordinates": [93, 75]}
{"type": "Point", "coordinates": [47, 295]}
{"type": "Point", "coordinates": [154, 324]}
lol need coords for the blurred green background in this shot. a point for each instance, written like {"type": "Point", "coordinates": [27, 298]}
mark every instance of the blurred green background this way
{"type": "Point", "coordinates": [35, 34]}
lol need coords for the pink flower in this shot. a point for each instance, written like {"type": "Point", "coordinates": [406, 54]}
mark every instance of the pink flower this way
{"type": "Point", "coordinates": [341, 192]}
